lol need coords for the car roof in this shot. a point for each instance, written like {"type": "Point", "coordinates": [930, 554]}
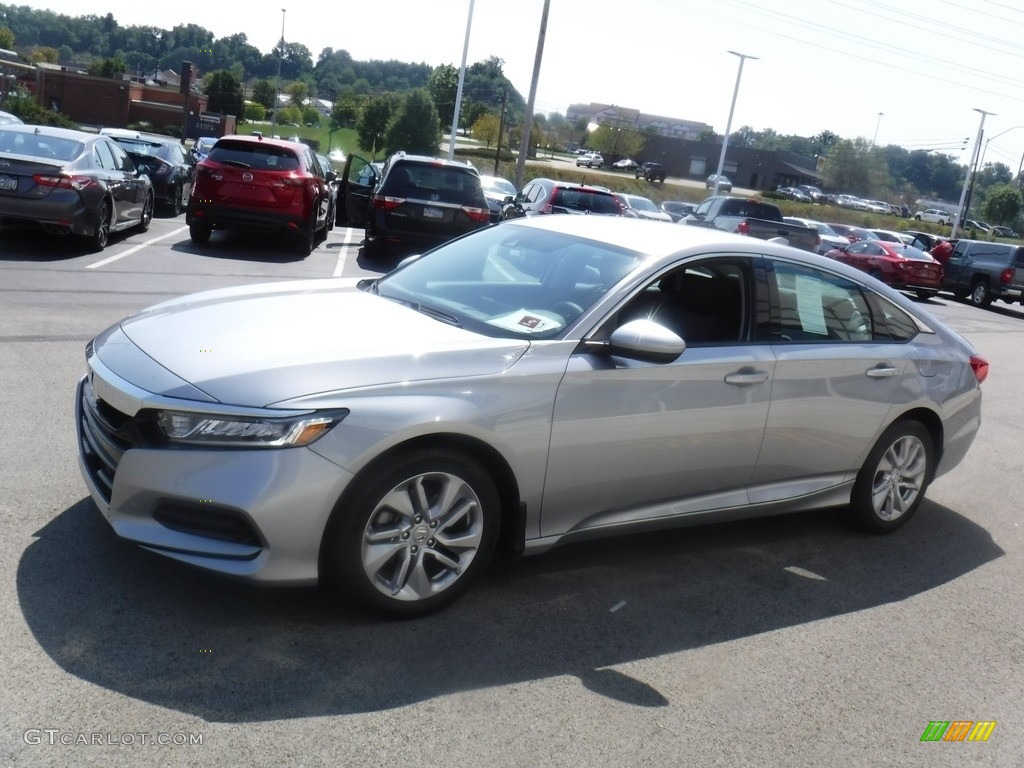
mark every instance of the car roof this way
{"type": "Point", "coordinates": [125, 133]}
{"type": "Point", "coordinates": [50, 130]}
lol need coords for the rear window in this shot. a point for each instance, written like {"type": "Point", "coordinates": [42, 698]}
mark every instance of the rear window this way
{"type": "Point", "coordinates": [441, 183]}
{"type": "Point", "coordinates": [258, 157]}
{"type": "Point", "coordinates": [751, 209]}
{"type": "Point", "coordinates": [587, 200]}
{"type": "Point", "coordinates": [40, 145]}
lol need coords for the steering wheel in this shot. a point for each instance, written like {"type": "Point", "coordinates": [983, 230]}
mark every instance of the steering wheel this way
{"type": "Point", "coordinates": [569, 310]}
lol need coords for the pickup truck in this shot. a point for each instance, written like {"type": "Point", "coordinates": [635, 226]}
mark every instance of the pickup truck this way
{"type": "Point", "coordinates": [751, 217]}
{"type": "Point", "coordinates": [985, 271]}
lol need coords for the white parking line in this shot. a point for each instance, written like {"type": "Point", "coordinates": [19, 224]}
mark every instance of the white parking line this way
{"type": "Point", "coordinates": [343, 253]}
{"type": "Point", "coordinates": [138, 247]}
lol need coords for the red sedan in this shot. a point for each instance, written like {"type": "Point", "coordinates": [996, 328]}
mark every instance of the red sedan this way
{"type": "Point", "coordinates": [897, 264]}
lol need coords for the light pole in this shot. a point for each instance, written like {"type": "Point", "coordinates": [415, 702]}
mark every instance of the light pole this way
{"type": "Point", "coordinates": [877, 126]}
{"type": "Point", "coordinates": [728, 124]}
{"type": "Point", "coordinates": [981, 162]}
{"type": "Point", "coordinates": [970, 173]}
{"type": "Point", "coordinates": [277, 83]}
{"type": "Point", "coordinates": [158, 37]}
{"type": "Point", "coordinates": [458, 90]}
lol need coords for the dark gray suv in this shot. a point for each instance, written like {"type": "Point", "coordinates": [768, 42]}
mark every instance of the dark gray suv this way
{"type": "Point", "coordinates": [414, 203]}
{"type": "Point", "coordinates": [985, 271]}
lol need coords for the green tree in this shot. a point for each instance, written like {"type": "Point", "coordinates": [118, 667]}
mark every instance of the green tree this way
{"type": "Point", "coordinates": [373, 123]}
{"type": "Point", "coordinates": [443, 85]}
{"type": "Point", "coordinates": [617, 142]}
{"type": "Point", "coordinates": [6, 38]}
{"type": "Point", "coordinates": [108, 67]}
{"type": "Point", "coordinates": [486, 129]}
{"type": "Point", "coordinates": [254, 112]}
{"type": "Point", "coordinates": [225, 93]}
{"type": "Point", "coordinates": [289, 115]}
{"type": "Point", "coordinates": [263, 92]}
{"type": "Point", "coordinates": [415, 126]}
{"type": "Point", "coordinates": [299, 91]}
{"type": "Point", "coordinates": [311, 116]}
{"type": "Point", "coordinates": [1003, 204]}
{"type": "Point", "coordinates": [345, 113]}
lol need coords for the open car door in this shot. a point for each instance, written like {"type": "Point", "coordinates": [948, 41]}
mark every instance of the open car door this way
{"type": "Point", "coordinates": [357, 182]}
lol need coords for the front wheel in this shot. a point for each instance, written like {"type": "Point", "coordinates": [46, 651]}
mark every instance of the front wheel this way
{"type": "Point", "coordinates": [147, 213]}
{"type": "Point", "coordinates": [100, 236]}
{"type": "Point", "coordinates": [413, 535]}
{"type": "Point", "coordinates": [893, 480]}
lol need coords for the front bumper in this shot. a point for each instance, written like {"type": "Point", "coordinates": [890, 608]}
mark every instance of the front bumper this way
{"type": "Point", "coordinates": [258, 514]}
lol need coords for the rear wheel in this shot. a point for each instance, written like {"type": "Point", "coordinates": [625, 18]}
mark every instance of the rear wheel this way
{"type": "Point", "coordinates": [414, 534]}
{"type": "Point", "coordinates": [894, 478]}
{"type": "Point", "coordinates": [199, 232]}
{"type": "Point", "coordinates": [307, 239]}
{"type": "Point", "coordinates": [147, 213]}
{"type": "Point", "coordinates": [981, 296]}
{"type": "Point", "coordinates": [101, 235]}
{"type": "Point", "coordinates": [177, 200]}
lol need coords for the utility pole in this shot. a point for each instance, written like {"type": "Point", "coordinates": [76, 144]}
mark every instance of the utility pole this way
{"type": "Point", "coordinates": [501, 129]}
{"type": "Point", "coordinates": [524, 142]}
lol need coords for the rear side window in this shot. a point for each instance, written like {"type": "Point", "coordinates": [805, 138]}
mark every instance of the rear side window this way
{"type": "Point", "coordinates": [816, 306]}
{"type": "Point", "coordinates": [258, 157]}
{"type": "Point", "coordinates": [993, 251]}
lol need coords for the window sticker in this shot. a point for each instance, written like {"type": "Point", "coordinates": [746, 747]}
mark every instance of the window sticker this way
{"type": "Point", "coordinates": [528, 321]}
{"type": "Point", "coordinates": [809, 305]}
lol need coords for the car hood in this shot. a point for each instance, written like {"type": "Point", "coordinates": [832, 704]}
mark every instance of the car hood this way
{"type": "Point", "coordinates": [266, 344]}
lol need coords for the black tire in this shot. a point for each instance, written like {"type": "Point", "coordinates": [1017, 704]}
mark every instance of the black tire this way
{"type": "Point", "coordinates": [177, 202]}
{"type": "Point", "coordinates": [392, 548]}
{"type": "Point", "coordinates": [101, 235]}
{"type": "Point", "coordinates": [895, 476]}
{"type": "Point", "coordinates": [306, 241]}
{"type": "Point", "coordinates": [199, 232]}
{"type": "Point", "coordinates": [147, 213]}
{"type": "Point", "coordinates": [332, 217]}
{"type": "Point", "coordinates": [981, 296]}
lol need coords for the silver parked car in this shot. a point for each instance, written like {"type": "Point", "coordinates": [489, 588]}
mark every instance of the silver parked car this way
{"type": "Point", "coordinates": [545, 380]}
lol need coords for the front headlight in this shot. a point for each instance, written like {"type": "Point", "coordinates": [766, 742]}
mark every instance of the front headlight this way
{"type": "Point", "coordinates": [214, 430]}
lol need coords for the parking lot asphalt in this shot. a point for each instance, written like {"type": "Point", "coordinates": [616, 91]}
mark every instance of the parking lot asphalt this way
{"type": "Point", "coordinates": [787, 641]}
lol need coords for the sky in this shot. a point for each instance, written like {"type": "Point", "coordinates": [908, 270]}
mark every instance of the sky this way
{"type": "Point", "coordinates": [911, 73]}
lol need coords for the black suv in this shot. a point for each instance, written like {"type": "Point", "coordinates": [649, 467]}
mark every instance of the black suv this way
{"type": "Point", "coordinates": [413, 203]}
{"type": "Point", "coordinates": [548, 196]}
{"type": "Point", "coordinates": [985, 271]}
{"type": "Point", "coordinates": [651, 172]}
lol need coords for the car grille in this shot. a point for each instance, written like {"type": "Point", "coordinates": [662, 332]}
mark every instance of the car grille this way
{"type": "Point", "coordinates": [104, 434]}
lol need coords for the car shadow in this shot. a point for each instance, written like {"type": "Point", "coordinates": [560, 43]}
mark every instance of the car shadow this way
{"type": "Point", "coordinates": [244, 246]}
{"type": "Point", "coordinates": [138, 624]}
{"type": "Point", "coordinates": [32, 244]}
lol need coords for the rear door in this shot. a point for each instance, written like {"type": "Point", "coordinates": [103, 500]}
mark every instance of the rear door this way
{"type": "Point", "coordinates": [958, 267]}
{"type": "Point", "coordinates": [257, 175]}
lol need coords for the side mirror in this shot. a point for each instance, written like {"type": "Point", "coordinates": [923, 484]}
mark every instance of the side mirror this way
{"type": "Point", "coordinates": [331, 177]}
{"type": "Point", "coordinates": [646, 340]}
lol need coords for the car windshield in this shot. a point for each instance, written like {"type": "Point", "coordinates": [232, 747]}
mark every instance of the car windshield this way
{"type": "Point", "coordinates": [497, 184]}
{"type": "Point", "coordinates": [262, 157]}
{"type": "Point", "coordinates": [510, 281]}
{"type": "Point", "coordinates": [585, 200]}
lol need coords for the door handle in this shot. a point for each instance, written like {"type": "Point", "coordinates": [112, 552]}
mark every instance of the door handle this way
{"type": "Point", "coordinates": [881, 372]}
{"type": "Point", "coordinates": [745, 377]}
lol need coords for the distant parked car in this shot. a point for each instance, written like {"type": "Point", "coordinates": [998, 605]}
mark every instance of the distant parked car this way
{"type": "Point", "coordinates": [853, 234]}
{"type": "Point", "coordinates": [677, 209]}
{"type": "Point", "coordinates": [499, 192]}
{"type": "Point", "coordinates": [816, 195]}
{"type": "Point", "coordinates": [170, 168]}
{"type": "Point", "coordinates": [724, 183]}
{"type": "Point", "coordinates": [639, 207]}
{"type": "Point", "coordinates": [71, 182]}
{"type": "Point", "coordinates": [650, 171]}
{"type": "Point", "coordinates": [897, 264]}
{"type": "Point", "coordinates": [545, 196]}
{"type": "Point", "coordinates": [590, 160]}
{"type": "Point", "coordinates": [6, 118]}
{"type": "Point", "coordinates": [626, 164]}
{"type": "Point", "coordinates": [934, 216]}
{"type": "Point", "coordinates": [792, 193]}
{"type": "Point", "coordinates": [978, 226]}
{"type": "Point", "coordinates": [998, 231]}
{"type": "Point", "coordinates": [890, 236]}
{"type": "Point", "coordinates": [202, 146]}
{"type": "Point", "coordinates": [828, 238]}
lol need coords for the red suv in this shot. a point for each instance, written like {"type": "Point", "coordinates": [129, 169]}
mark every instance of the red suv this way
{"type": "Point", "coordinates": [251, 183]}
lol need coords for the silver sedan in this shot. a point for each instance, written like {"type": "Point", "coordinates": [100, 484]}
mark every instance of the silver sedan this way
{"type": "Point", "coordinates": [536, 382]}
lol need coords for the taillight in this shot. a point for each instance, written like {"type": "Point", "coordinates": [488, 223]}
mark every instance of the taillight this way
{"type": "Point", "coordinates": [61, 181]}
{"type": "Point", "coordinates": [477, 214]}
{"type": "Point", "coordinates": [1006, 276]}
{"type": "Point", "coordinates": [386, 203]}
{"type": "Point", "coordinates": [980, 367]}
{"type": "Point", "coordinates": [163, 169]}
{"type": "Point", "coordinates": [293, 181]}
{"type": "Point", "coordinates": [546, 208]}
{"type": "Point", "coordinates": [743, 227]}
